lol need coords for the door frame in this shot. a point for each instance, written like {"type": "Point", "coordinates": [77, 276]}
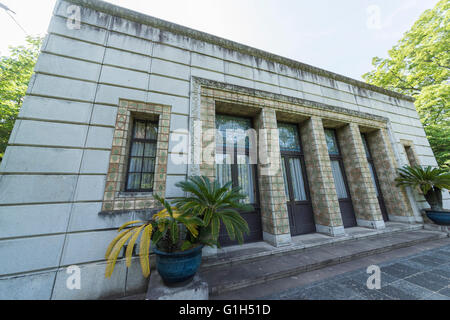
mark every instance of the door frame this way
{"type": "Point", "coordinates": [225, 241]}
{"type": "Point", "coordinates": [285, 156]}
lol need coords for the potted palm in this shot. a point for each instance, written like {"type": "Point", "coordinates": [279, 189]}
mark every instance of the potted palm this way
{"type": "Point", "coordinates": [180, 230]}
{"type": "Point", "coordinates": [430, 181]}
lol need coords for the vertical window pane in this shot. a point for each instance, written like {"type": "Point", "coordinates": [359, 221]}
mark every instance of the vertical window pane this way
{"type": "Point", "coordinates": [341, 190]}
{"type": "Point", "coordinates": [150, 150]}
{"type": "Point", "coordinates": [245, 181]}
{"type": "Point", "coordinates": [133, 181]}
{"type": "Point", "coordinates": [139, 130]}
{"type": "Point", "coordinates": [330, 137]}
{"type": "Point", "coordinates": [233, 130]}
{"type": "Point", "coordinates": [151, 131]}
{"type": "Point", "coordinates": [137, 150]}
{"type": "Point", "coordinates": [298, 184]}
{"type": "Point", "coordinates": [223, 173]}
{"type": "Point", "coordinates": [148, 165]}
{"type": "Point", "coordinates": [372, 175]}
{"type": "Point", "coordinates": [147, 181]}
{"type": "Point", "coordinates": [135, 164]}
{"type": "Point", "coordinates": [286, 187]}
{"type": "Point", "coordinates": [289, 137]}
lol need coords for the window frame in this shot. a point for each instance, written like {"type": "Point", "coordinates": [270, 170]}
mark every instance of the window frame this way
{"type": "Point", "coordinates": [237, 151]}
{"type": "Point", "coordinates": [288, 154]}
{"type": "Point", "coordinates": [338, 157]}
{"type": "Point", "coordinates": [134, 140]}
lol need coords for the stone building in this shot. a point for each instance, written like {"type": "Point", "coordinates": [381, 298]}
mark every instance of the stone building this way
{"type": "Point", "coordinates": [120, 105]}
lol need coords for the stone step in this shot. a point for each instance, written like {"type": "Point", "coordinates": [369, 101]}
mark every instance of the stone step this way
{"type": "Point", "coordinates": [227, 277]}
{"type": "Point", "coordinates": [261, 250]}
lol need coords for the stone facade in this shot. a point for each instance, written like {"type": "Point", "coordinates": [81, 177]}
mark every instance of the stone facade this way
{"type": "Point", "coordinates": [62, 176]}
{"type": "Point", "coordinates": [323, 193]}
{"type": "Point", "coordinates": [363, 193]}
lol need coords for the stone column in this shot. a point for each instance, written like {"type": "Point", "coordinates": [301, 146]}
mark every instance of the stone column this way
{"type": "Point", "coordinates": [208, 142]}
{"type": "Point", "coordinates": [395, 198]}
{"type": "Point", "coordinates": [275, 219]}
{"type": "Point", "coordinates": [362, 190]}
{"type": "Point", "coordinates": [327, 213]}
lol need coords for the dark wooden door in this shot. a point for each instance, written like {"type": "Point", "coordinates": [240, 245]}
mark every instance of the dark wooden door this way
{"type": "Point", "coordinates": [340, 180]}
{"type": "Point", "coordinates": [300, 211]}
{"type": "Point", "coordinates": [234, 163]}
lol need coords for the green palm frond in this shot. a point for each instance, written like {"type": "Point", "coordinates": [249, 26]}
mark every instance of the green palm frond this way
{"type": "Point", "coordinates": [423, 178]}
{"type": "Point", "coordinates": [215, 204]}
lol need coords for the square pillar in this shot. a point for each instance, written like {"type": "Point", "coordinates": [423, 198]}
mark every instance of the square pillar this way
{"type": "Point", "coordinates": [275, 218]}
{"type": "Point", "coordinates": [395, 199]}
{"type": "Point", "coordinates": [327, 213]}
{"type": "Point", "coordinates": [208, 142]}
{"type": "Point", "coordinates": [362, 190]}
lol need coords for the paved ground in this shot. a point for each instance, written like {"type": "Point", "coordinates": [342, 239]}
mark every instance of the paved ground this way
{"type": "Point", "coordinates": [418, 272]}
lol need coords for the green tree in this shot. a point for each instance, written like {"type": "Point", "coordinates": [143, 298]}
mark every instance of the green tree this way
{"type": "Point", "coordinates": [15, 73]}
{"type": "Point", "coordinates": [419, 66]}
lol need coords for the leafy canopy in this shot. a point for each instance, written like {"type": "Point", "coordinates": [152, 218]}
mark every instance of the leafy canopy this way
{"type": "Point", "coordinates": [419, 66]}
{"type": "Point", "coordinates": [15, 73]}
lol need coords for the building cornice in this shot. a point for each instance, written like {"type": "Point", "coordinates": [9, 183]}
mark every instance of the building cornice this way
{"type": "Point", "coordinates": [138, 17]}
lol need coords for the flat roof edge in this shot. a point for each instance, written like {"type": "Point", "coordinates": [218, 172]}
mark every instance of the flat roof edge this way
{"type": "Point", "coordinates": [138, 17]}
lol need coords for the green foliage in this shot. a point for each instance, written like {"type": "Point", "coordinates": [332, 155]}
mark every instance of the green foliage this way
{"type": "Point", "coordinates": [419, 66]}
{"type": "Point", "coordinates": [215, 205]}
{"type": "Point", "coordinates": [164, 230]}
{"type": "Point", "coordinates": [15, 73]}
{"type": "Point", "coordinates": [423, 178]}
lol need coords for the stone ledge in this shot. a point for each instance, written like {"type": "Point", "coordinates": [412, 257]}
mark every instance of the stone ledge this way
{"type": "Point", "coordinates": [272, 267]}
{"type": "Point", "coordinates": [260, 250]}
{"type": "Point", "coordinates": [197, 289]}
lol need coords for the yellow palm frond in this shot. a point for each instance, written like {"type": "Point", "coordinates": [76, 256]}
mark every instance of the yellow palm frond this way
{"type": "Point", "coordinates": [129, 252]}
{"type": "Point", "coordinates": [128, 224]}
{"type": "Point", "coordinates": [115, 253]}
{"type": "Point", "coordinates": [144, 250]}
{"type": "Point", "coordinates": [113, 243]}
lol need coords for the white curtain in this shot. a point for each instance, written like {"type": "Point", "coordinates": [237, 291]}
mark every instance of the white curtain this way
{"type": "Point", "coordinates": [298, 183]}
{"type": "Point", "coordinates": [339, 180]}
{"type": "Point", "coordinates": [286, 187]}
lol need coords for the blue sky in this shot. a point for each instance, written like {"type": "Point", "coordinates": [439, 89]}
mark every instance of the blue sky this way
{"type": "Point", "coordinates": [340, 36]}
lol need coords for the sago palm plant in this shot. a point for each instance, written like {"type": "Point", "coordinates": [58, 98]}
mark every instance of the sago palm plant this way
{"type": "Point", "coordinates": [429, 180]}
{"type": "Point", "coordinates": [214, 204]}
{"type": "Point", "coordinates": [165, 228]}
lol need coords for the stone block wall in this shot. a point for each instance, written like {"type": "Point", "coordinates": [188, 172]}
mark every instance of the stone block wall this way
{"type": "Point", "coordinates": [55, 170]}
{"type": "Point", "coordinates": [327, 214]}
{"type": "Point", "coordinates": [362, 190]}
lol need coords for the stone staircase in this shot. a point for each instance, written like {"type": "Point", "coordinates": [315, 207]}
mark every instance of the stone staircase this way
{"type": "Point", "coordinates": [253, 264]}
{"type": "Point", "coordinates": [238, 267]}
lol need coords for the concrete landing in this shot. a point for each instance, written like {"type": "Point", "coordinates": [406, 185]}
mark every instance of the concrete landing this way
{"type": "Point", "coordinates": [236, 269]}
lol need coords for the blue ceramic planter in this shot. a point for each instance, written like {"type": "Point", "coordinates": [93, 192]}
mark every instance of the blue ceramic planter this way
{"type": "Point", "coordinates": [179, 266]}
{"type": "Point", "coordinates": [439, 217]}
